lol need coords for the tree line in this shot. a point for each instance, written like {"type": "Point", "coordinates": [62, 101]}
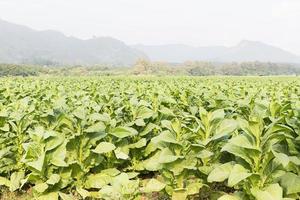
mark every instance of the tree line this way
{"type": "Point", "coordinates": [145, 67]}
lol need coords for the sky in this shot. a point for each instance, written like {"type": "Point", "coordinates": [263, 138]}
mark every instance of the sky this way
{"type": "Point", "coordinates": [153, 22]}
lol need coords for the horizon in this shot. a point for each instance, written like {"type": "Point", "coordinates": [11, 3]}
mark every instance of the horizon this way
{"type": "Point", "coordinates": [198, 23]}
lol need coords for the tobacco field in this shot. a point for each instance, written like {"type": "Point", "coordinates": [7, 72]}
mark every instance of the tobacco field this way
{"type": "Point", "coordinates": [218, 138]}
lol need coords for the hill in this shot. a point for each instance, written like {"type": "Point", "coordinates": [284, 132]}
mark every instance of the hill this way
{"type": "Point", "coordinates": [20, 44]}
{"type": "Point", "coordinates": [245, 51]}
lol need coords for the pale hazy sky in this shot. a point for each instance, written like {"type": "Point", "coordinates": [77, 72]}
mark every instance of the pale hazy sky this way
{"type": "Point", "coordinates": [193, 22]}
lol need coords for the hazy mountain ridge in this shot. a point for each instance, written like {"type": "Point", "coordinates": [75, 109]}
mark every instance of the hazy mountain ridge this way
{"type": "Point", "coordinates": [245, 51]}
{"type": "Point", "coordinates": [20, 44]}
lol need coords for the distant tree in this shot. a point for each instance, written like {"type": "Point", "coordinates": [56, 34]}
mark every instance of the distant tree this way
{"type": "Point", "coordinates": [142, 66]}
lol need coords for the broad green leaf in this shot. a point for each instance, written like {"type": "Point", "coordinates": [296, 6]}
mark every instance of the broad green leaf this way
{"type": "Point", "coordinates": [121, 179]}
{"type": "Point", "coordinates": [166, 156]}
{"type": "Point", "coordinates": [149, 127]}
{"type": "Point", "coordinates": [80, 113]}
{"type": "Point", "coordinates": [229, 197]}
{"type": "Point", "coordinates": [194, 188]}
{"type": "Point", "coordinates": [122, 132]}
{"type": "Point", "coordinates": [111, 172]}
{"type": "Point", "coordinates": [140, 122]}
{"type": "Point", "coordinates": [100, 117]}
{"type": "Point", "coordinates": [144, 113]}
{"type": "Point", "coordinates": [49, 196]}
{"type": "Point", "coordinates": [41, 187]}
{"type": "Point", "coordinates": [237, 174]}
{"type": "Point", "coordinates": [139, 144]}
{"type": "Point", "coordinates": [39, 163]}
{"type": "Point", "coordinates": [291, 183]}
{"type": "Point", "coordinates": [97, 180]}
{"type": "Point", "coordinates": [226, 127]}
{"type": "Point", "coordinates": [121, 154]}
{"type": "Point", "coordinates": [152, 163]}
{"type": "Point", "coordinates": [4, 182]}
{"type": "Point", "coordinates": [59, 155]}
{"type": "Point", "coordinates": [179, 194]}
{"type": "Point", "coordinates": [64, 196]}
{"type": "Point", "coordinates": [166, 111]}
{"type": "Point", "coordinates": [243, 141]}
{"type": "Point", "coordinates": [176, 126]}
{"type": "Point", "coordinates": [104, 147]}
{"type": "Point", "coordinates": [165, 136]}
{"type": "Point", "coordinates": [15, 180]}
{"type": "Point", "coordinates": [98, 127]}
{"type": "Point", "coordinates": [282, 158]}
{"type": "Point", "coordinates": [205, 154]}
{"type": "Point", "coordinates": [217, 115]}
{"type": "Point", "coordinates": [220, 173]}
{"type": "Point", "coordinates": [153, 186]}
{"type": "Point", "coordinates": [54, 178]}
{"type": "Point", "coordinates": [272, 192]}
{"type": "Point", "coordinates": [83, 193]}
{"type": "Point", "coordinates": [238, 151]}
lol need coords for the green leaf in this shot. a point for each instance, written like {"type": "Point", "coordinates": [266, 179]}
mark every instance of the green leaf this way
{"type": "Point", "coordinates": [165, 136]}
{"type": "Point", "coordinates": [97, 180]}
{"type": "Point", "coordinates": [139, 144]}
{"type": "Point", "coordinates": [245, 154]}
{"type": "Point", "coordinates": [166, 156]}
{"type": "Point", "coordinates": [100, 117]}
{"type": "Point", "coordinates": [229, 197]}
{"type": "Point", "coordinates": [15, 180]}
{"type": "Point", "coordinates": [39, 163]}
{"type": "Point", "coordinates": [220, 173]}
{"type": "Point", "coordinates": [179, 194]}
{"type": "Point", "coordinates": [122, 132]}
{"type": "Point", "coordinates": [153, 186]}
{"type": "Point", "coordinates": [217, 115]}
{"type": "Point", "coordinates": [41, 187]}
{"type": "Point", "coordinates": [111, 172]}
{"type": "Point", "coordinates": [121, 154]}
{"type": "Point", "coordinates": [83, 193]}
{"type": "Point", "coordinates": [59, 155]}
{"type": "Point", "coordinates": [282, 158]}
{"type": "Point", "coordinates": [64, 196]}
{"type": "Point", "coordinates": [237, 174]}
{"type": "Point", "coordinates": [104, 147]}
{"type": "Point", "coordinates": [176, 126]}
{"type": "Point", "coordinates": [49, 196]}
{"type": "Point", "coordinates": [95, 128]}
{"type": "Point", "coordinates": [144, 112]}
{"type": "Point", "coordinates": [291, 183]}
{"type": "Point", "coordinates": [226, 127]}
{"type": "Point", "coordinates": [272, 192]}
{"type": "Point", "coordinates": [140, 122]}
{"type": "Point", "coordinates": [166, 111]}
{"type": "Point", "coordinates": [152, 163]}
{"type": "Point", "coordinates": [4, 181]}
{"type": "Point", "coordinates": [54, 178]}
{"type": "Point", "coordinates": [149, 127]}
{"type": "Point", "coordinates": [243, 141]}
{"type": "Point", "coordinates": [194, 188]}
{"type": "Point", "coordinates": [80, 113]}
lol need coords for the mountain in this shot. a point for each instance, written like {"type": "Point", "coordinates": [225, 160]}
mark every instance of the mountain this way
{"type": "Point", "coordinates": [257, 51]}
{"type": "Point", "coordinates": [179, 53]}
{"type": "Point", "coordinates": [20, 44]}
{"type": "Point", "coordinates": [244, 51]}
